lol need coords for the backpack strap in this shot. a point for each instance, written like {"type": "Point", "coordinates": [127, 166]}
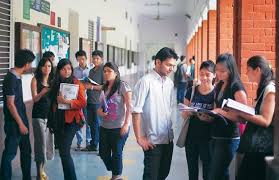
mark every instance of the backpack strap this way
{"type": "Point", "coordinates": [193, 92]}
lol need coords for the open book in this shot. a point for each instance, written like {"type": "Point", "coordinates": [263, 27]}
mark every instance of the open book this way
{"type": "Point", "coordinates": [70, 92]}
{"type": "Point", "coordinates": [88, 80]}
{"type": "Point", "coordinates": [195, 111]}
{"type": "Point", "coordinates": [229, 103]}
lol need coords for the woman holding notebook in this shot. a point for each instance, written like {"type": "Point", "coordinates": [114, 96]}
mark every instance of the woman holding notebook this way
{"type": "Point", "coordinates": [115, 110]}
{"type": "Point", "coordinates": [225, 137]}
{"type": "Point", "coordinates": [198, 135]}
{"type": "Point", "coordinates": [65, 122]}
{"type": "Point", "coordinates": [257, 141]}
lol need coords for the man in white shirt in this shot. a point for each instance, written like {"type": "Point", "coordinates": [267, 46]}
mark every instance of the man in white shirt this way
{"type": "Point", "coordinates": [153, 102]}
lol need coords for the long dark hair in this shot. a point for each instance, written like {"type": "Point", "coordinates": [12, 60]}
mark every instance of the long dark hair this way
{"type": "Point", "coordinates": [267, 74]}
{"type": "Point", "coordinates": [228, 61]}
{"type": "Point", "coordinates": [55, 85]}
{"type": "Point", "coordinates": [38, 71]}
{"type": "Point", "coordinates": [116, 85]}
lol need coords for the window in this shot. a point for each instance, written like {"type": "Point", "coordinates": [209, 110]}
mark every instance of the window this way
{"type": "Point", "coordinates": [91, 34]}
{"type": "Point", "coordinates": [5, 38]}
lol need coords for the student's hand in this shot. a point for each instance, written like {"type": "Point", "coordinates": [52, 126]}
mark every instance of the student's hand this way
{"type": "Point", "coordinates": [45, 90]}
{"type": "Point", "coordinates": [23, 129]}
{"type": "Point", "coordinates": [143, 142]}
{"type": "Point", "coordinates": [218, 111]}
{"type": "Point", "coordinates": [60, 99]}
{"type": "Point", "coordinates": [103, 114]}
{"type": "Point", "coordinates": [186, 114]}
{"type": "Point", "coordinates": [124, 130]}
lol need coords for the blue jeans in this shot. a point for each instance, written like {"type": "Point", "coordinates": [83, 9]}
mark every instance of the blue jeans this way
{"type": "Point", "coordinates": [196, 149]}
{"type": "Point", "coordinates": [94, 122]}
{"type": "Point", "coordinates": [12, 141]}
{"type": "Point", "coordinates": [222, 152]}
{"type": "Point", "coordinates": [181, 89]}
{"type": "Point", "coordinates": [64, 142]}
{"type": "Point", "coordinates": [111, 148]}
{"type": "Point", "coordinates": [157, 162]}
{"type": "Point", "coordinates": [88, 133]}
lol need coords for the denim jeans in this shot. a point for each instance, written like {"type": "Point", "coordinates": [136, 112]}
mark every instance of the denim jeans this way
{"type": "Point", "coordinates": [94, 122]}
{"type": "Point", "coordinates": [181, 89]}
{"type": "Point", "coordinates": [195, 150]}
{"type": "Point", "coordinates": [157, 162]}
{"type": "Point", "coordinates": [88, 132]}
{"type": "Point", "coordinates": [222, 151]}
{"type": "Point", "coordinates": [12, 141]}
{"type": "Point", "coordinates": [111, 148]}
{"type": "Point", "coordinates": [64, 142]}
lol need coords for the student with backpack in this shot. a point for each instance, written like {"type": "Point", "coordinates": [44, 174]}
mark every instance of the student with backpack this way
{"type": "Point", "coordinates": [181, 77]}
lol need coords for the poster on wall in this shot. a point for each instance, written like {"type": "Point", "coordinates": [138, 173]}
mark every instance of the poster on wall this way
{"type": "Point", "coordinates": [55, 40]}
{"type": "Point", "coordinates": [28, 37]}
{"type": "Point", "coordinates": [85, 45]}
{"type": "Point", "coordinates": [42, 6]}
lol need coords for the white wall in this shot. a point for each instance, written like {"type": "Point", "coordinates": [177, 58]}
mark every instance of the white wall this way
{"type": "Point", "coordinates": [112, 14]}
{"type": "Point", "coordinates": [155, 34]}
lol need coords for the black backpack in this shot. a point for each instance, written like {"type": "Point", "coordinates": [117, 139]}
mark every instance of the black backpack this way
{"type": "Point", "coordinates": [178, 75]}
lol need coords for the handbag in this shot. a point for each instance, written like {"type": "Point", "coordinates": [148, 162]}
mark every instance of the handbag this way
{"type": "Point", "coordinates": [184, 130]}
{"type": "Point", "coordinates": [257, 138]}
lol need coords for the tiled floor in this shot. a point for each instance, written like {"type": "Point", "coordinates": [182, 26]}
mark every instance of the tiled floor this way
{"type": "Point", "coordinates": [90, 167]}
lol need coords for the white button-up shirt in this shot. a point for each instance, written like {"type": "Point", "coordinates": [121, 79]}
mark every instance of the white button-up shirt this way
{"type": "Point", "coordinates": [153, 98]}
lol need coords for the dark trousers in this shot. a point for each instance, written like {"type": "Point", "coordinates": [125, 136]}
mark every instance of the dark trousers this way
{"type": "Point", "coordinates": [93, 121]}
{"type": "Point", "coordinates": [222, 151]}
{"type": "Point", "coordinates": [253, 167]}
{"type": "Point", "coordinates": [111, 148]}
{"type": "Point", "coordinates": [196, 149]}
{"type": "Point", "coordinates": [157, 162]}
{"type": "Point", "coordinates": [64, 142]}
{"type": "Point", "coordinates": [14, 140]}
{"type": "Point", "coordinates": [181, 89]}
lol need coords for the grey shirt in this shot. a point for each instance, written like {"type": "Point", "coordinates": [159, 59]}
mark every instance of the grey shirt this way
{"type": "Point", "coordinates": [153, 97]}
{"type": "Point", "coordinates": [116, 107]}
{"type": "Point", "coordinates": [185, 70]}
{"type": "Point", "coordinates": [97, 76]}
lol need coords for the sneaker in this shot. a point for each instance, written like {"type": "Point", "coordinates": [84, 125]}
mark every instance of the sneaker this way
{"type": "Point", "coordinates": [44, 176]}
{"type": "Point", "coordinates": [78, 148]}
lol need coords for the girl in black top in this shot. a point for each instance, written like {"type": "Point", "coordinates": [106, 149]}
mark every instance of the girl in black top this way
{"type": "Point", "coordinates": [43, 140]}
{"type": "Point", "coordinates": [225, 137]}
{"type": "Point", "coordinates": [198, 136]}
{"type": "Point", "coordinates": [257, 140]}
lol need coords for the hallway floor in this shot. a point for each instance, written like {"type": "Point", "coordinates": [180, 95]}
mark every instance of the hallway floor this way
{"type": "Point", "coordinates": [89, 165]}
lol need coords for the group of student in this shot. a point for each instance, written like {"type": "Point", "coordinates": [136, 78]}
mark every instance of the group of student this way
{"type": "Point", "coordinates": [107, 109]}
{"type": "Point", "coordinates": [52, 124]}
{"type": "Point", "coordinates": [216, 143]}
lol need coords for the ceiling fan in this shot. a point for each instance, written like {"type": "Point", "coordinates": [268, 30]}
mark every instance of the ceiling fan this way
{"type": "Point", "coordinates": [158, 4]}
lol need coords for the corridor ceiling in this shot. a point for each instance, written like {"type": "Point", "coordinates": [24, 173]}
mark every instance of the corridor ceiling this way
{"type": "Point", "coordinates": [166, 8]}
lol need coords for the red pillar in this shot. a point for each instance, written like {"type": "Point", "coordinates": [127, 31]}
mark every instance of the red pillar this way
{"type": "Point", "coordinates": [204, 40]}
{"type": "Point", "coordinates": [211, 34]}
{"type": "Point", "coordinates": [224, 37]}
{"type": "Point", "coordinates": [255, 35]}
